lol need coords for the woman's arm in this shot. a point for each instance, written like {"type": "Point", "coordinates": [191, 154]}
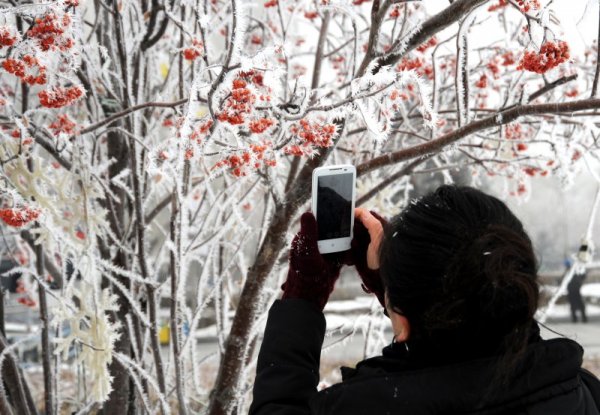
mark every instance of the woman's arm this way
{"type": "Point", "coordinates": [287, 372]}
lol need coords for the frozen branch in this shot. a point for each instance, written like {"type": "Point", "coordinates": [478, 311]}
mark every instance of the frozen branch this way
{"type": "Point", "coordinates": [433, 25]}
{"type": "Point", "coordinates": [504, 117]}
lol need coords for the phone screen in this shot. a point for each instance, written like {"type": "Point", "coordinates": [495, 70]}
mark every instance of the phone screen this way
{"type": "Point", "coordinates": [334, 205]}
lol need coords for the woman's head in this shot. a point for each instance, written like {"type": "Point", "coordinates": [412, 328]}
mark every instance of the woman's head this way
{"type": "Point", "coordinates": [460, 267]}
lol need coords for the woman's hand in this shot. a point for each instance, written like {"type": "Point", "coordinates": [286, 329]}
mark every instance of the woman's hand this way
{"type": "Point", "coordinates": [311, 276]}
{"type": "Point", "coordinates": [364, 252]}
{"type": "Point", "coordinates": [374, 226]}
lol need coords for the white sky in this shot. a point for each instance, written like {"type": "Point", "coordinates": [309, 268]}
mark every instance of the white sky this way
{"type": "Point", "coordinates": [578, 21]}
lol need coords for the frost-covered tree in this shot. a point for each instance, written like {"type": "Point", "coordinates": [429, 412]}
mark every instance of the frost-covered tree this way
{"type": "Point", "coordinates": [159, 151]}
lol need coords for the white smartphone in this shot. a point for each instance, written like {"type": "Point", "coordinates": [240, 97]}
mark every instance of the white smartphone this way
{"type": "Point", "coordinates": [333, 194]}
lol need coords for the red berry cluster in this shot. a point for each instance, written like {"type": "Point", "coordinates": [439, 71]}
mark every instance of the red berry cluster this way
{"type": "Point", "coordinates": [359, 2]}
{"type": "Point", "coordinates": [63, 124]}
{"type": "Point", "coordinates": [200, 132]}
{"type": "Point", "coordinates": [256, 39]}
{"type": "Point", "coordinates": [416, 64]}
{"type": "Point", "coordinates": [252, 76]}
{"type": "Point", "coordinates": [494, 69]}
{"type": "Point", "coordinates": [296, 150]}
{"type": "Point", "coordinates": [311, 15]}
{"type": "Point", "coordinates": [19, 68]}
{"type": "Point", "coordinates": [395, 13]}
{"type": "Point", "coordinates": [49, 32]}
{"type": "Point", "coordinates": [337, 61]}
{"type": "Point", "coordinates": [195, 51]}
{"type": "Point", "coordinates": [527, 5]}
{"type": "Point", "coordinates": [315, 133]}
{"type": "Point", "coordinates": [7, 38]}
{"type": "Point", "coordinates": [483, 81]}
{"type": "Point", "coordinates": [524, 5]}
{"type": "Point", "coordinates": [26, 299]}
{"type": "Point", "coordinates": [532, 171]}
{"type": "Point", "coordinates": [426, 45]}
{"type": "Point", "coordinates": [551, 55]}
{"type": "Point", "coordinates": [238, 164]}
{"type": "Point", "coordinates": [513, 132]}
{"type": "Point", "coordinates": [508, 59]}
{"type": "Point", "coordinates": [259, 126]}
{"type": "Point", "coordinates": [238, 104]}
{"type": "Point", "coordinates": [58, 97]}
{"type": "Point", "coordinates": [18, 217]}
{"type": "Point", "coordinates": [497, 6]}
{"type": "Point", "coordinates": [572, 93]}
{"type": "Point", "coordinates": [271, 3]}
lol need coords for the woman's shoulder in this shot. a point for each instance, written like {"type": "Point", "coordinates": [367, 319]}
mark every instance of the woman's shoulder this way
{"type": "Point", "coordinates": [548, 369]}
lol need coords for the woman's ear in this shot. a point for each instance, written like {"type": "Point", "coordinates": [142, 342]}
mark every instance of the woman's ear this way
{"type": "Point", "coordinates": [400, 324]}
{"type": "Point", "coordinates": [401, 327]}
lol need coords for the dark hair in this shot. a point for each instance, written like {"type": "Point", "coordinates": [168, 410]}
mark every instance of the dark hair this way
{"type": "Point", "coordinates": [459, 265]}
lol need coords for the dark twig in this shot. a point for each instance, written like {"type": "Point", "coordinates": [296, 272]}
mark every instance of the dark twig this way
{"type": "Point", "coordinates": [597, 73]}
{"type": "Point", "coordinates": [550, 86]}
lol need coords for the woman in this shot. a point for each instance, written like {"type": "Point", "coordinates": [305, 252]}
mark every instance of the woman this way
{"type": "Point", "coordinates": [456, 274]}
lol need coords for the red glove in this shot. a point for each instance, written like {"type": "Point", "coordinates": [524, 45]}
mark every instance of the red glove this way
{"type": "Point", "coordinates": [371, 281]}
{"type": "Point", "coordinates": [311, 276]}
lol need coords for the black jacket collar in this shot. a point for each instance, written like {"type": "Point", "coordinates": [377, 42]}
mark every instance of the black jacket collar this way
{"type": "Point", "coordinates": [393, 381]}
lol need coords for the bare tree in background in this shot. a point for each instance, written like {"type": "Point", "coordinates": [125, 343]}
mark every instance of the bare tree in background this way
{"type": "Point", "coordinates": [159, 150]}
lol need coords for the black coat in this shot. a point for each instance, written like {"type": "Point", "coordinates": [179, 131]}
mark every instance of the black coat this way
{"type": "Point", "coordinates": [550, 381]}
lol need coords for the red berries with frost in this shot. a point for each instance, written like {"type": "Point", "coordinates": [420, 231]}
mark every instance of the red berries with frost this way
{"type": "Point", "coordinates": [49, 31]}
{"type": "Point", "coordinates": [238, 104]}
{"type": "Point", "coordinates": [28, 69]}
{"type": "Point", "coordinates": [7, 37]}
{"type": "Point", "coordinates": [508, 59]}
{"type": "Point", "coordinates": [428, 44]}
{"type": "Point", "coordinates": [513, 131]}
{"type": "Point", "coordinates": [260, 125]}
{"type": "Point", "coordinates": [18, 217]}
{"type": "Point", "coordinates": [195, 51]}
{"type": "Point", "coordinates": [58, 97]}
{"type": "Point", "coordinates": [315, 133]}
{"type": "Point", "coordinates": [572, 93]}
{"type": "Point", "coordinates": [551, 55]}
{"type": "Point", "coordinates": [63, 124]}
{"type": "Point", "coordinates": [294, 150]}
{"type": "Point", "coordinates": [524, 5]}
{"type": "Point", "coordinates": [483, 82]}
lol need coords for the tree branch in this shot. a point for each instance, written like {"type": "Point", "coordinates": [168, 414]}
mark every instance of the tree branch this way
{"type": "Point", "coordinates": [18, 389]}
{"type": "Point", "coordinates": [129, 110]}
{"type": "Point", "coordinates": [549, 87]}
{"type": "Point", "coordinates": [597, 73]}
{"type": "Point", "coordinates": [408, 169]}
{"type": "Point", "coordinates": [504, 117]}
{"type": "Point", "coordinates": [435, 24]}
